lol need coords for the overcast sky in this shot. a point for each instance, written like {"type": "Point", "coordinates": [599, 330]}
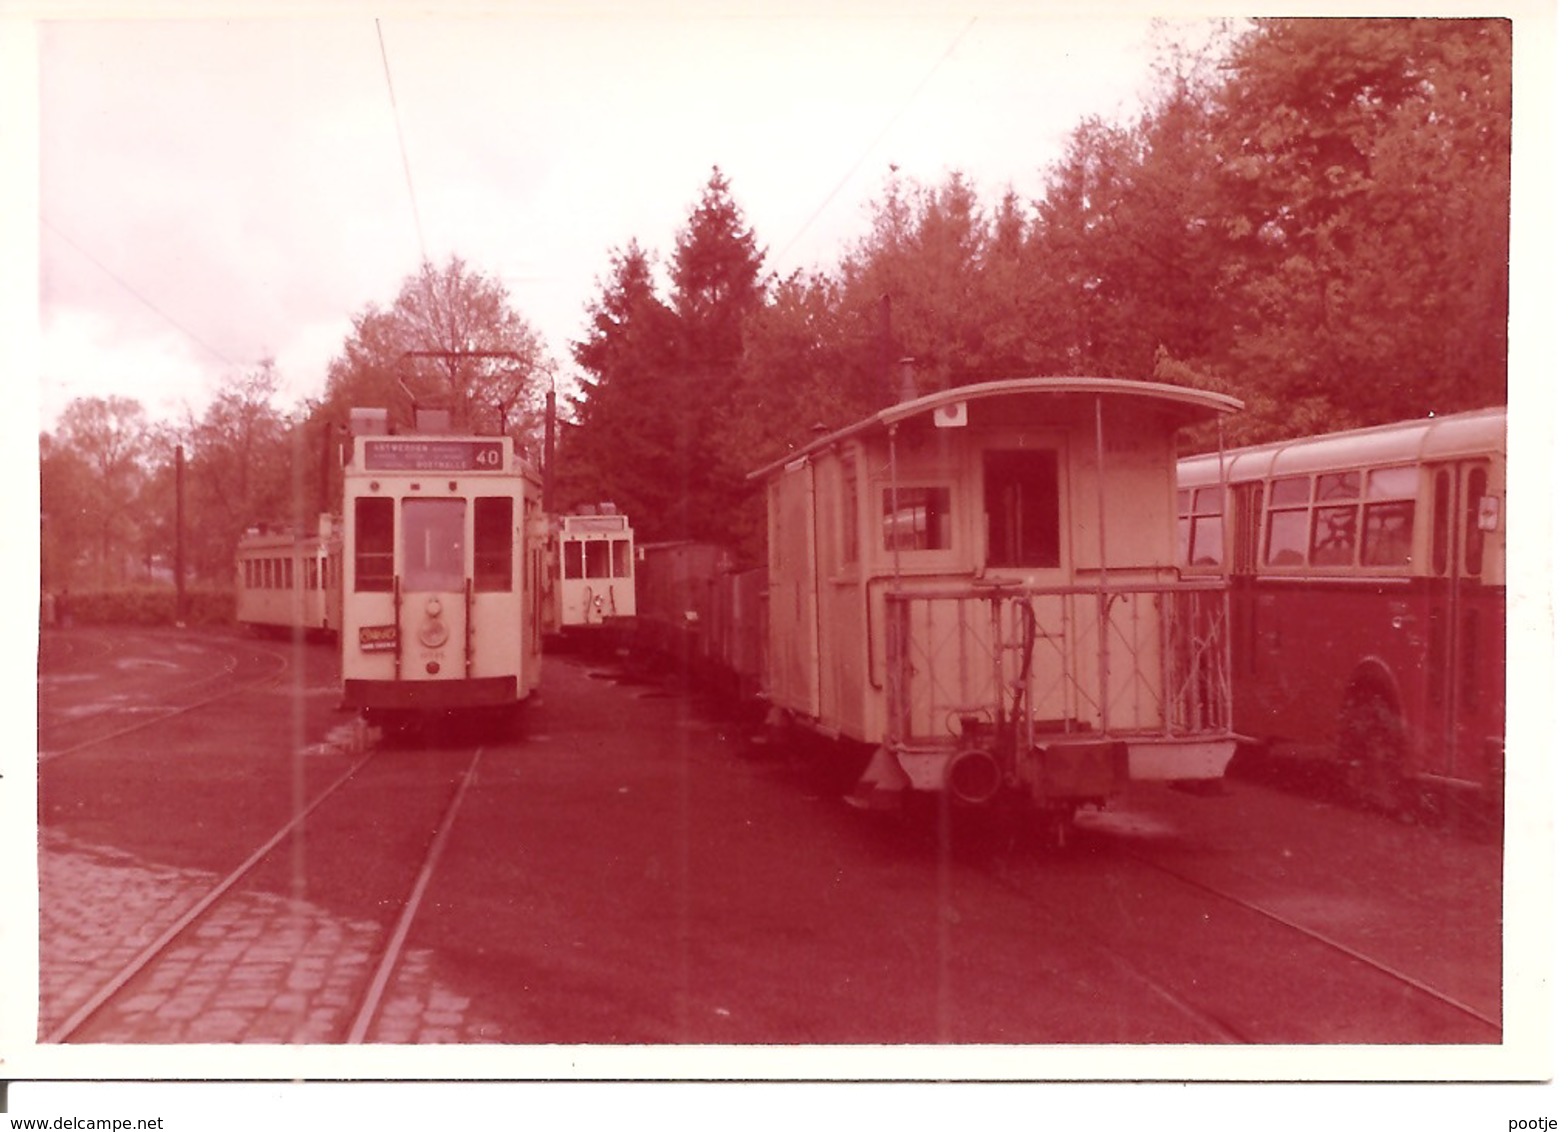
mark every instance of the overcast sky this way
{"type": "Point", "coordinates": [216, 192]}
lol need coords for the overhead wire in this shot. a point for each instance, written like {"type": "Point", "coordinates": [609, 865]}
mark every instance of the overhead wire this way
{"type": "Point", "coordinates": [877, 139]}
{"type": "Point", "coordinates": [143, 299]}
{"type": "Point", "coordinates": [402, 144]}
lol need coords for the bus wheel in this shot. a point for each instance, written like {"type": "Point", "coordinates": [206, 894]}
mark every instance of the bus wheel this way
{"type": "Point", "coordinates": [1372, 749]}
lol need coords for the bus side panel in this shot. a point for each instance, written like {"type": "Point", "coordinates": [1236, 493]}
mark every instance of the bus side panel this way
{"type": "Point", "coordinates": [1299, 675]}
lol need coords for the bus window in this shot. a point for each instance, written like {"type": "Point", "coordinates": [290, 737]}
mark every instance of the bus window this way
{"type": "Point", "coordinates": [598, 552]}
{"type": "Point", "coordinates": [1200, 527]}
{"type": "Point", "coordinates": [1290, 493]}
{"type": "Point", "coordinates": [373, 545]}
{"type": "Point", "coordinates": [622, 558]}
{"type": "Point", "coordinates": [1333, 536]}
{"type": "Point", "coordinates": [1388, 526]}
{"type": "Point", "coordinates": [1287, 526]}
{"type": "Point", "coordinates": [493, 544]}
{"type": "Point", "coordinates": [1339, 485]}
{"type": "Point", "coordinates": [433, 544]}
{"type": "Point", "coordinates": [919, 521]}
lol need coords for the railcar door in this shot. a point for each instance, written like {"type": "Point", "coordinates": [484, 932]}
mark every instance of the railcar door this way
{"type": "Point", "coordinates": [1465, 625]}
{"type": "Point", "coordinates": [434, 590]}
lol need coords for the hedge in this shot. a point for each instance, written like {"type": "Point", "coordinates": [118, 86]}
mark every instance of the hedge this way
{"type": "Point", "coordinates": [148, 605]}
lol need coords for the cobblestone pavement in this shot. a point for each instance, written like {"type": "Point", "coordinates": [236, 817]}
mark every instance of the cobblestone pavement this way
{"type": "Point", "coordinates": [258, 968]}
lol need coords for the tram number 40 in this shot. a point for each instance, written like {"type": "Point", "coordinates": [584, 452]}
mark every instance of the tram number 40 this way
{"type": "Point", "coordinates": [378, 638]}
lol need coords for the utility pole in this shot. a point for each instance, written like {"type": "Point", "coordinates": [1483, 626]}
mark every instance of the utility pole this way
{"type": "Point", "coordinates": [179, 534]}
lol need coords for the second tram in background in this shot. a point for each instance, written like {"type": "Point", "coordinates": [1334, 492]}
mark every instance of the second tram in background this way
{"type": "Point", "coordinates": [1367, 575]}
{"type": "Point", "coordinates": [287, 580]}
{"type": "Point", "coordinates": [443, 570]}
{"type": "Point", "coordinates": [594, 588]}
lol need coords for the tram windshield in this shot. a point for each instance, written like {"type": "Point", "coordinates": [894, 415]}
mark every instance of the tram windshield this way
{"type": "Point", "coordinates": [433, 544]}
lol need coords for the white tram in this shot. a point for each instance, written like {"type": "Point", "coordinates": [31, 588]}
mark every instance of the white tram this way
{"type": "Point", "coordinates": [443, 560]}
{"type": "Point", "coordinates": [595, 580]}
{"type": "Point", "coordinates": [286, 579]}
{"type": "Point", "coordinates": [982, 585]}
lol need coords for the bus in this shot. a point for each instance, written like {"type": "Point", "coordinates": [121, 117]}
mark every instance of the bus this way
{"type": "Point", "coordinates": [1366, 570]}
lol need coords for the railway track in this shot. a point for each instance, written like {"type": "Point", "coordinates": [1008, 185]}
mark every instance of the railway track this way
{"type": "Point", "coordinates": [1223, 973]}
{"type": "Point", "coordinates": [159, 691]}
{"type": "Point", "coordinates": [354, 1021]}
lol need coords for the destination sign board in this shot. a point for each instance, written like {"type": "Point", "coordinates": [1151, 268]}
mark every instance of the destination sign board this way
{"type": "Point", "coordinates": [411, 454]}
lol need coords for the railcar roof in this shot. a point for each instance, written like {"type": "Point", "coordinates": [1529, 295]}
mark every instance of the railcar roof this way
{"type": "Point", "coordinates": [1195, 403]}
{"type": "Point", "coordinates": [1425, 438]}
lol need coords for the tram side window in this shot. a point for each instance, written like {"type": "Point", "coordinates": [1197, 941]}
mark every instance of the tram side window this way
{"type": "Point", "coordinates": [493, 544]}
{"type": "Point", "coordinates": [373, 545]}
{"type": "Point", "coordinates": [920, 519]}
{"type": "Point", "coordinates": [572, 558]}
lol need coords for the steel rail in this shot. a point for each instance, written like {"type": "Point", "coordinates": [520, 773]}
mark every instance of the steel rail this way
{"type": "Point", "coordinates": [393, 952]}
{"type": "Point", "coordinates": [1327, 941]}
{"type": "Point", "coordinates": [271, 679]}
{"type": "Point", "coordinates": [143, 958]}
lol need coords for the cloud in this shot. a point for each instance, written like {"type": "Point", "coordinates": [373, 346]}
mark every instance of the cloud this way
{"type": "Point", "coordinates": [229, 190]}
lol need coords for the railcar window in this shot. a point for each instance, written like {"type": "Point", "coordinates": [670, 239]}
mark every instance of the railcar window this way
{"type": "Point", "coordinates": [1200, 526]}
{"type": "Point", "coordinates": [433, 544]}
{"type": "Point", "coordinates": [1022, 508]}
{"type": "Point", "coordinates": [373, 545]}
{"type": "Point", "coordinates": [1287, 522]}
{"type": "Point", "coordinates": [572, 558]}
{"type": "Point", "coordinates": [1388, 525]}
{"type": "Point", "coordinates": [1287, 538]}
{"type": "Point", "coordinates": [622, 553]}
{"type": "Point", "coordinates": [1291, 492]}
{"type": "Point", "coordinates": [1339, 485]}
{"type": "Point", "coordinates": [493, 544]}
{"type": "Point", "coordinates": [597, 554]}
{"type": "Point", "coordinates": [1333, 536]}
{"type": "Point", "coordinates": [920, 519]}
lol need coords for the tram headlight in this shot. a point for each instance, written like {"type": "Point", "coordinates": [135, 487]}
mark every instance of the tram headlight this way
{"type": "Point", "coordinates": [433, 633]}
